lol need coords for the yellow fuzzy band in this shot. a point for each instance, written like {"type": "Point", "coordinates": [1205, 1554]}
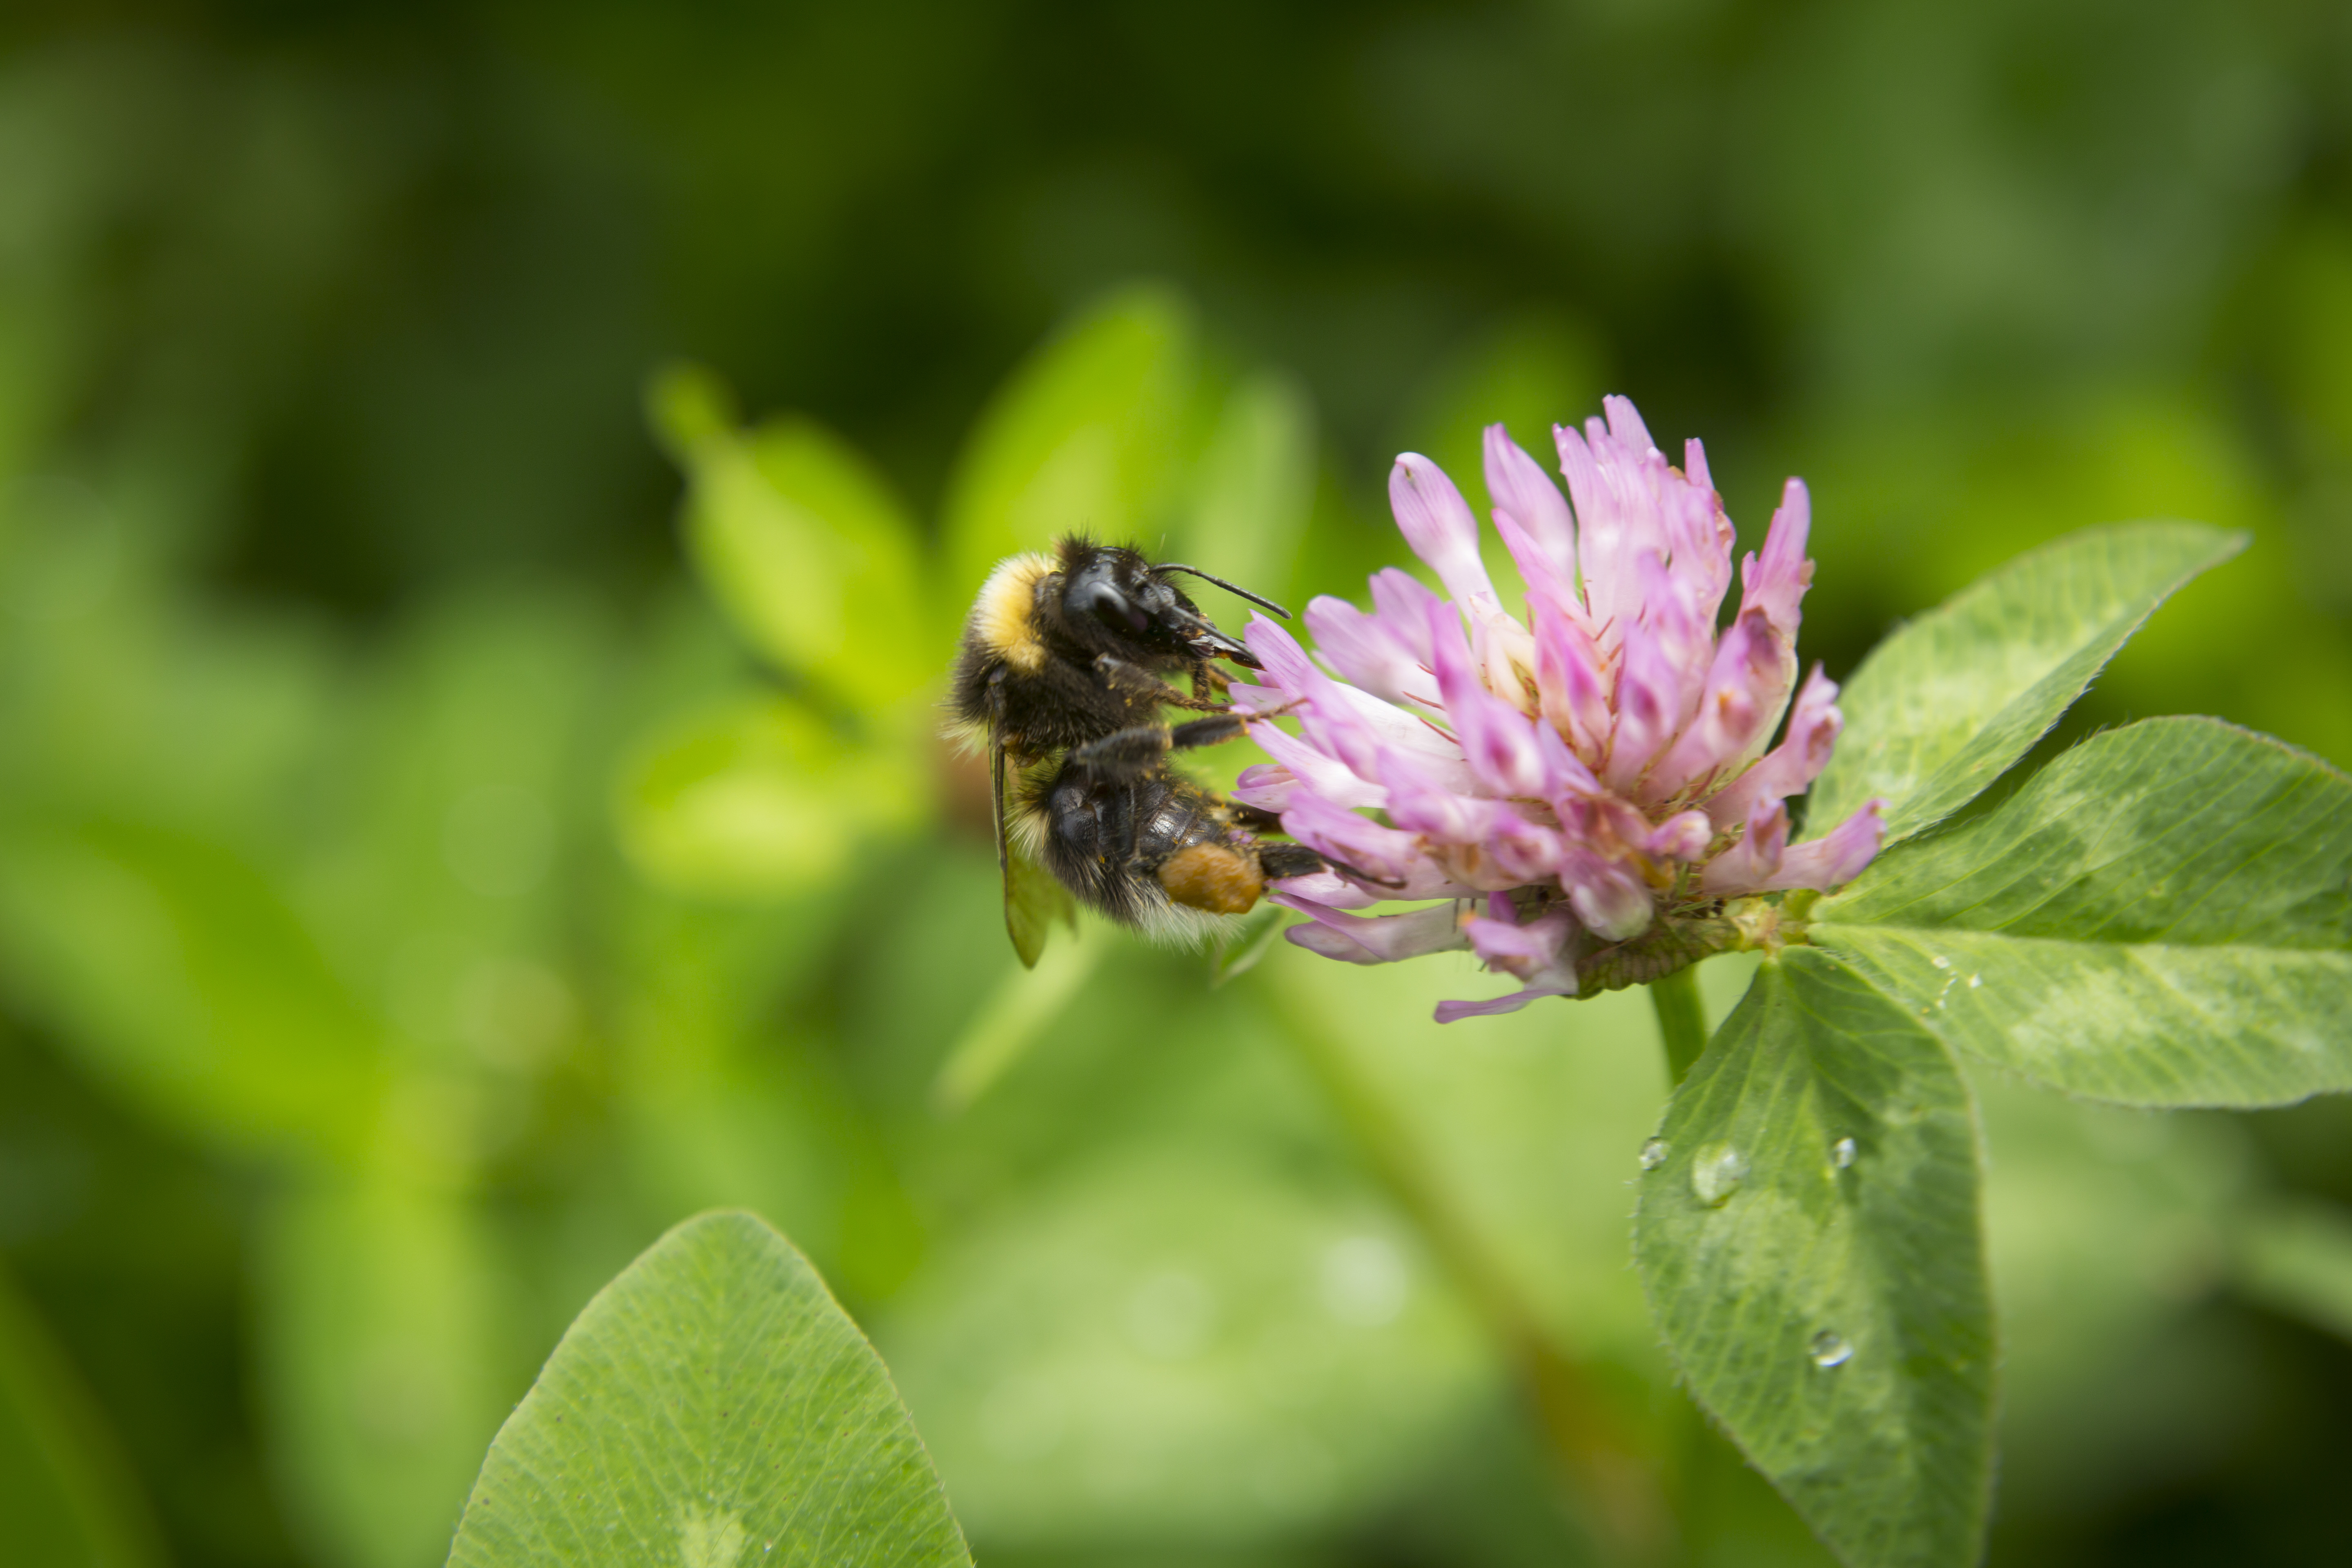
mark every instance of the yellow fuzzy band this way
{"type": "Point", "coordinates": [1004, 618]}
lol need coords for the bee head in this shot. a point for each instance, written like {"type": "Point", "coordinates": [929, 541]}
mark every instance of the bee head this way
{"type": "Point", "coordinates": [1116, 599]}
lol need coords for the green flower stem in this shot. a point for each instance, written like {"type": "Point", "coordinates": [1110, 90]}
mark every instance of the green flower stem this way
{"type": "Point", "coordinates": [1682, 1019]}
{"type": "Point", "coordinates": [1615, 1485]}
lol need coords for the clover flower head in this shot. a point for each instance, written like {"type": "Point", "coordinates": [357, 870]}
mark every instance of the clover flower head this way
{"type": "Point", "coordinates": [1585, 786]}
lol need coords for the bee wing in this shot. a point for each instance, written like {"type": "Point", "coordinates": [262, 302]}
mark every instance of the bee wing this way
{"type": "Point", "coordinates": [1033, 898]}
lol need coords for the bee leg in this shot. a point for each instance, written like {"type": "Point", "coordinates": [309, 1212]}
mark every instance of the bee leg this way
{"type": "Point", "coordinates": [1213, 731]}
{"type": "Point", "coordinates": [1256, 818]}
{"type": "Point", "coordinates": [1277, 860]}
{"type": "Point", "coordinates": [1280, 861]}
{"type": "Point", "coordinates": [1209, 682]}
{"type": "Point", "coordinates": [1123, 755]}
{"type": "Point", "coordinates": [1134, 678]}
{"type": "Point", "coordinates": [1130, 753]}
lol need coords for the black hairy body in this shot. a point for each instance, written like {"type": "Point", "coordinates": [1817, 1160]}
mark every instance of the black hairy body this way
{"type": "Point", "coordinates": [1065, 668]}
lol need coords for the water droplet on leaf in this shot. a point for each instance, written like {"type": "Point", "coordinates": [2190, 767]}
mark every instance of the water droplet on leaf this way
{"type": "Point", "coordinates": [1830, 1349]}
{"type": "Point", "coordinates": [1940, 961]}
{"type": "Point", "coordinates": [1653, 1153]}
{"type": "Point", "coordinates": [1717, 1173]}
{"type": "Point", "coordinates": [1842, 1152]}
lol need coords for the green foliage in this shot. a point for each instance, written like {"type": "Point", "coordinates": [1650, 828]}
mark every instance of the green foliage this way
{"type": "Point", "coordinates": [2298, 1257]}
{"type": "Point", "coordinates": [1171, 1344]}
{"type": "Point", "coordinates": [713, 1108]}
{"type": "Point", "coordinates": [1251, 941]}
{"type": "Point", "coordinates": [1081, 439]}
{"type": "Point", "coordinates": [1025, 1001]}
{"type": "Point", "coordinates": [384, 1374]}
{"type": "Point", "coordinates": [1810, 1237]}
{"type": "Point", "coordinates": [815, 566]}
{"type": "Point", "coordinates": [1257, 487]}
{"type": "Point", "coordinates": [1093, 1307]}
{"type": "Point", "coordinates": [1240, 1290]}
{"type": "Point", "coordinates": [1947, 704]}
{"type": "Point", "coordinates": [2110, 1237]}
{"type": "Point", "coordinates": [2163, 916]}
{"type": "Point", "coordinates": [340, 619]}
{"type": "Point", "coordinates": [65, 1499]}
{"type": "Point", "coordinates": [711, 1401]}
{"type": "Point", "coordinates": [2160, 917]}
{"type": "Point", "coordinates": [759, 799]}
{"type": "Point", "coordinates": [1528, 372]}
{"type": "Point", "coordinates": [1528, 1126]}
{"type": "Point", "coordinates": [239, 1031]}
{"type": "Point", "coordinates": [803, 546]}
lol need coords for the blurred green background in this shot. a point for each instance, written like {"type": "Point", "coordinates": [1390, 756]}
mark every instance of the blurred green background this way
{"type": "Point", "coordinates": [427, 870]}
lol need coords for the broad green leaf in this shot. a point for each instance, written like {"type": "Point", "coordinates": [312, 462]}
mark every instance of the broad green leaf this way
{"type": "Point", "coordinates": [1944, 706]}
{"type": "Point", "coordinates": [66, 1498]}
{"type": "Point", "coordinates": [380, 1364]}
{"type": "Point", "coordinates": [711, 1406]}
{"type": "Point", "coordinates": [181, 973]}
{"type": "Point", "coordinates": [760, 799]}
{"type": "Point", "coordinates": [2160, 917]}
{"type": "Point", "coordinates": [1810, 1237]}
{"type": "Point", "coordinates": [804, 546]}
{"type": "Point", "coordinates": [2296, 1257]}
{"type": "Point", "coordinates": [1080, 440]}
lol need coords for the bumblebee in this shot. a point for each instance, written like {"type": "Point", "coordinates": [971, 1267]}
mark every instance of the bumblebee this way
{"type": "Point", "coordinates": [1064, 670]}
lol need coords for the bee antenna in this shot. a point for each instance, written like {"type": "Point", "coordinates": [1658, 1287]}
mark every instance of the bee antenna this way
{"type": "Point", "coordinates": [1262, 604]}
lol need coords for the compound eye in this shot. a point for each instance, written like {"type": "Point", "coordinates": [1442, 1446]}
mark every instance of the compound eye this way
{"type": "Point", "coordinates": [1114, 610]}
